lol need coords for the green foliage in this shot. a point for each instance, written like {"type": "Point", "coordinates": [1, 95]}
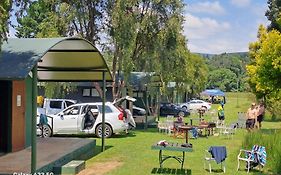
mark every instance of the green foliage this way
{"type": "Point", "coordinates": [265, 68]}
{"type": "Point", "coordinates": [236, 63]}
{"type": "Point", "coordinates": [222, 78]}
{"type": "Point", "coordinates": [270, 139]}
{"type": "Point", "coordinates": [58, 89]}
{"type": "Point", "coordinates": [274, 106]}
{"type": "Point", "coordinates": [45, 19]}
{"type": "Point", "coordinates": [5, 6]}
{"type": "Point", "coordinates": [147, 36]}
{"type": "Point", "coordinates": [273, 14]}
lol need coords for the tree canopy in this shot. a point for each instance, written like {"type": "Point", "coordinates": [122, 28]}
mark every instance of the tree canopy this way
{"type": "Point", "coordinates": [273, 14]}
{"type": "Point", "coordinates": [231, 64]}
{"type": "Point", "coordinates": [5, 6]}
{"type": "Point", "coordinates": [135, 35]}
{"type": "Point", "coordinates": [265, 68]}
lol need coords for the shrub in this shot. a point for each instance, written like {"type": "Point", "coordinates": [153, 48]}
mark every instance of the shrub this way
{"type": "Point", "coordinates": [274, 106]}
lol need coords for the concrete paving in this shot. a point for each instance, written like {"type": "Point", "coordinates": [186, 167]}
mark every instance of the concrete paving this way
{"type": "Point", "coordinates": [50, 152]}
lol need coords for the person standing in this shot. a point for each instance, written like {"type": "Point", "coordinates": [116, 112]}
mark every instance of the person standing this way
{"type": "Point", "coordinates": [260, 113]}
{"type": "Point", "coordinates": [251, 117]}
{"type": "Point", "coordinates": [221, 115]}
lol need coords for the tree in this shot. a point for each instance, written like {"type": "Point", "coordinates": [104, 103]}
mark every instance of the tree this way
{"type": "Point", "coordinates": [5, 6]}
{"type": "Point", "coordinates": [236, 62]}
{"type": "Point", "coordinates": [223, 79]}
{"type": "Point", "coordinates": [273, 14]}
{"type": "Point", "coordinates": [146, 36]}
{"type": "Point", "coordinates": [265, 68]}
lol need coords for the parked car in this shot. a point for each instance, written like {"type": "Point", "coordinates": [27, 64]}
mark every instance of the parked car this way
{"type": "Point", "coordinates": [128, 116]}
{"type": "Point", "coordinates": [172, 109]}
{"type": "Point", "coordinates": [85, 118]}
{"type": "Point", "coordinates": [53, 106]}
{"type": "Point", "coordinates": [137, 111]}
{"type": "Point", "coordinates": [196, 104]}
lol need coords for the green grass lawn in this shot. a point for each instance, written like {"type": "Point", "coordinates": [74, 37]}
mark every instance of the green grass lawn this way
{"type": "Point", "coordinates": [132, 154]}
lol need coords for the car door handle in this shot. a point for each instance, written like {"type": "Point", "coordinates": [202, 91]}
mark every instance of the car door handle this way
{"type": "Point", "coordinates": [73, 118]}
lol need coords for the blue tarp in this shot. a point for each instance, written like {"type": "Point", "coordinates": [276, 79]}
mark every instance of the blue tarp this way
{"type": "Point", "coordinates": [213, 92]}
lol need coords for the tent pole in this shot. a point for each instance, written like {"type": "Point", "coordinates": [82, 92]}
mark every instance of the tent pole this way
{"type": "Point", "coordinates": [33, 120]}
{"type": "Point", "coordinates": [103, 111]}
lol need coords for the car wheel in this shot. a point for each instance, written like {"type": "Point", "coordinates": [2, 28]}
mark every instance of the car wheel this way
{"type": "Point", "coordinates": [107, 131]}
{"type": "Point", "coordinates": [184, 107]}
{"type": "Point", "coordinates": [205, 108]}
{"type": "Point", "coordinates": [181, 114]}
{"type": "Point", "coordinates": [46, 131]}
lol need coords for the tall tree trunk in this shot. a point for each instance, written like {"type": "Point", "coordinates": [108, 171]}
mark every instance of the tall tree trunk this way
{"type": "Point", "coordinates": [98, 88]}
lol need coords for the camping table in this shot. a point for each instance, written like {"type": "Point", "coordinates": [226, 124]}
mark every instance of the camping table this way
{"type": "Point", "coordinates": [186, 128]}
{"type": "Point", "coordinates": [171, 147]}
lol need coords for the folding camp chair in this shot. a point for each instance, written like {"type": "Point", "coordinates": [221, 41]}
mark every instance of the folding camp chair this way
{"type": "Point", "coordinates": [254, 157]}
{"type": "Point", "coordinates": [209, 157]}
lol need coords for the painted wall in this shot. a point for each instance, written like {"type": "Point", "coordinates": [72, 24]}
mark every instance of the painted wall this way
{"type": "Point", "coordinates": [18, 116]}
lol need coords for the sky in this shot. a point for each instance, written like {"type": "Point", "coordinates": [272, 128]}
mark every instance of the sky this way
{"type": "Point", "coordinates": [219, 26]}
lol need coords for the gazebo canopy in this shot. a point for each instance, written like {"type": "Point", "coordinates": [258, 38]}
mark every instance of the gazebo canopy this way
{"type": "Point", "coordinates": [59, 59]}
{"type": "Point", "coordinates": [52, 59]}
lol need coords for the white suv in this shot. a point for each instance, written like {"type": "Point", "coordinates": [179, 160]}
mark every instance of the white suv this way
{"type": "Point", "coordinates": [196, 104]}
{"type": "Point", "coordinates": [85, 118]}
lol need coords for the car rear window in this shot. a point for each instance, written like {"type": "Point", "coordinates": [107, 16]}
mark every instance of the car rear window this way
{"type": "Point", "coordinates": [55, 104]}
{"type": "Point", "coordinates": [107, 109]}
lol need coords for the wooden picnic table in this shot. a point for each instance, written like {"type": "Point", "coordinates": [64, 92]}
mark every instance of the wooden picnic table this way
{"type": "Point", "coordinates": [171, 147]}
{"type": "Point", "coordinates": [186, 128]}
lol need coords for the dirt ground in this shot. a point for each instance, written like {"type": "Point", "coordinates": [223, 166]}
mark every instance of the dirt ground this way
{"type": "Point", "coordinates": [100, 168]}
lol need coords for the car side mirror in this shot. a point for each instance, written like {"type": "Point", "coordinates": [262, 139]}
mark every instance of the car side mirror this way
{"type": "Point", "coordinates": [61, 116]}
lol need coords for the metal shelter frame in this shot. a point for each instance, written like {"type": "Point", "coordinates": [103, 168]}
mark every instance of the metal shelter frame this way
{"type": "Point", "coordinates": [52, 59]}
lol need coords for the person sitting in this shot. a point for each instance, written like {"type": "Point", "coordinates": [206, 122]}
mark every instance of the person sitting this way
{"type": "Point", "coordinates": [180, 119]}
{"type": "Point", "coordinates": [89, 119]}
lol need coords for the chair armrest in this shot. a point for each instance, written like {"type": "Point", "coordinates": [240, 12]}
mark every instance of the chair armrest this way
{"type": "Point", "coordinates": [245, 151]}
{"type": "Point", "coordinates": [207, 154]}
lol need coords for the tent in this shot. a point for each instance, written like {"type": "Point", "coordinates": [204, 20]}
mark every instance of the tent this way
{"type": "Point", "coordinates": [213, 93]}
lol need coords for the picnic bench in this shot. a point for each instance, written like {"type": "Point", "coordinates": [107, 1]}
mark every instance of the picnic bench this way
{"type": "Point", "coordinates": [171, 147]}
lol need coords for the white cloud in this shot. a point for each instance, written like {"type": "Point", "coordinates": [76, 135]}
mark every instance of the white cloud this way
{"type": "Point", "coordinates": [241, 3]}
{"type": "Point", "coordinates": [206, 7]}
{"type": "Point", "coordinates": [218, 45]}
{"type": "Point", "coordinates": [199, 28]}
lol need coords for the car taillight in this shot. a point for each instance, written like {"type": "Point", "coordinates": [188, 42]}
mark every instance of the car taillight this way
{"type": "Point", "coordinates": [121, 116]}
